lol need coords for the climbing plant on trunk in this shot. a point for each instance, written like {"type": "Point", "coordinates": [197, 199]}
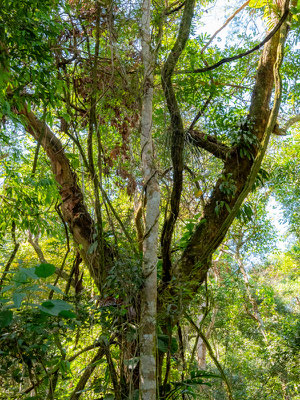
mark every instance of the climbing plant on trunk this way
{"type": "Point", "coordinates": [119, 130]}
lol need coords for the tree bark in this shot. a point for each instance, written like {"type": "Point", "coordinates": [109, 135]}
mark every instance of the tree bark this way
{"type": "Point", "coordinates": [148, 388]}
{"type": "Point", "coordinates": [7, 266]}
{"type": "Point", "coordinates": [239, 169]}
{"type": "Point", "coordinates": [73, 209]}
{"type": "Point", "coordinates": [177, 137]}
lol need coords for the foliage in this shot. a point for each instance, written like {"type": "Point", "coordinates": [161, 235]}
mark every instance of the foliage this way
{"type": "Point", "coordinates": [74, 199]}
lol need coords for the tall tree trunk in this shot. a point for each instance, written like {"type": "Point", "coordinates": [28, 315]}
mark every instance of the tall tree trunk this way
{"type": "Point", "coordinates": [152, 199]}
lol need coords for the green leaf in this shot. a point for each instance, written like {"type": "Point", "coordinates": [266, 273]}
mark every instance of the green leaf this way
{"type": "Point", "coordinates": [295, 10]}
{"type": "Point", "coordinates": [48, 304]}
{"type": "Point", "coordinates": [44, 270]}
{"type": "Point", "coordinates": [64, 366]}
{"type": "Point", "coordinates": [257, 3]}
{"type": "Point", "coordinates": [56, 307]}
{"type": "Point", "coordinates": [20, 277]}
{"type": "Point", "coordinates": [28, 272]}
{"type": "Point", "coordinates": [6, 288]}
{"type": "Point", "coordinates": [67, 314]}
{"type": "Point", "coordinates": [18, 298]}
{"type": "Point", "coordinates": [227, 207]}
{"type": "Point", "coordinates": [6, 317]}
{"type": "Point", "coordinates": [109, 397]}
{"type": "Point", "coordinates": [163, 344]}
{"type": "Point", "coordinates": [34, 288]}
{"type": "Point", "coordinates": [203, 374]}
{"type": "Point", "coordinates": [5, 108]}
{"type": "Point", "coordinates": [54, 288]}
{"type": "Point", "coordinates": [174, 345]}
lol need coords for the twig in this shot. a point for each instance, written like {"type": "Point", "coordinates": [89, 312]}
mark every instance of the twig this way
{"type": "Point", "coordinates": [238, 56]}
{"type": "Point", "coordinates": [9, 262]}
{"type": "Point", "coordinates": [200, 113]}
{"type": "Point", "coordinates": [224, 25]}
{"type": "Point", "coordinates": [12, 256]}
{"type": "Point", "coordinates": [106, 198]}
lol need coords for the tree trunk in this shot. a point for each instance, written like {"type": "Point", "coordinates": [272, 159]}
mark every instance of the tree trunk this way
{"type": "Point", "coordinates": [148, 388]}
{"type": "Point", "coordinates": [73, 209]}
{"type": "Point", "coordinates": [241, 170]}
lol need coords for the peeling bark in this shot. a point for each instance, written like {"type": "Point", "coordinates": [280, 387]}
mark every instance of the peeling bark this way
{"type": "Point", "coordinates": [200, 347]}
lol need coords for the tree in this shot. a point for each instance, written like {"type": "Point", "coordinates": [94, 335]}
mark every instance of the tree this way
{"type": "Point", "coordinates": [81, 78]}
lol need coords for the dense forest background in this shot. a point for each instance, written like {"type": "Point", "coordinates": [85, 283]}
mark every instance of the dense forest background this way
{"type": "Point", "coordinates": [150, 201]}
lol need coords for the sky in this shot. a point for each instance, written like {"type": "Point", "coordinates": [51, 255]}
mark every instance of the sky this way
{"type": "Point", "coordinates": [217, 15]}
{"type": "Point", "coordinates": [275, 213]}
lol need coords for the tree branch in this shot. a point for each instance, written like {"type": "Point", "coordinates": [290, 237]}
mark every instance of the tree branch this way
{"type": "Point", "coordinates": [201, 112]}
{"type": "Point", "coordinates": [238, 56]}
{"type": "Point", "coordinates": [177, 135]}
{"type": "Point", "coordinates": [66, 254]}
{"type": "Point", "coordinates": [86, 375]}
{"type": "Point", "coordinates": [8, 264]}
{"type": "Point", "coordinates": [290, 122]}
{"type": "Point", "coordinates": [70, 359]}
{"type": "Point", "coordinates": [175, 9]}
{"type": "Point", "coordinates": [239, 171]}
{"type": "Point", "coordinates": [73, 208]}
{"type": "Point", "coordinates": [113, 373]}
{"type": "Point", "coordinates": [37, 248]}
{"type": "Point", "coordinates": [209, 143]}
